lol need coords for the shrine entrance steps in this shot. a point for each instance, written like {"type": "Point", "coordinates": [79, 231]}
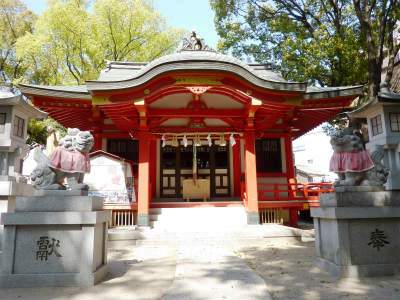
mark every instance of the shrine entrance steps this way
{"type": "Point", "coordinates": [198, 219]}
{"type": "Point", "coordinates": [171, 225]}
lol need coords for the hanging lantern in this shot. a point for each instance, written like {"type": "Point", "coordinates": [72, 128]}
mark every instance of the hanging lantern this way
{"type": "Point", "coordinates": [174, 142]}
{"type": "Point", "coordinates": [222, 141]}
{"type": "Point", "coordinates": [164, 141]}
{"type": "Point", "coordinates": [209, 140]}
{"type": "Point", "coordinates": [185, 141]}
{"type": "Point", "coordinates": [232, 140]}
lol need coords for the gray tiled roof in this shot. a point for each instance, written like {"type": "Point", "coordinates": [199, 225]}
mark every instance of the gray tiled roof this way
{"type": "Point", "coordinates": [65, 88]}
{"type": "Point", "coordinates": [74, 92]}
{"type": "Point", "coordinates": [315, 92]}
{"type": "Point", "coordinates": [124, 75]}
{"type": "Point", "coordinates": [4, 94]}
{"type": "Point", "coordinates": [15, 98]}
{"type": "Point", "coordinates": [117, 71]}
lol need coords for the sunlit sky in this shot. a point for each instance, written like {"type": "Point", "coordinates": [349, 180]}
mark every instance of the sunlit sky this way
{"type": "Point", "coordinates": [187, 14]}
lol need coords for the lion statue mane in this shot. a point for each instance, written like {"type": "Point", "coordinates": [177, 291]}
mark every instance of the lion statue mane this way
{"type": "Point", "coordinates": [353, 163]}
{"type": "Point", "coordinates": [67, 163]}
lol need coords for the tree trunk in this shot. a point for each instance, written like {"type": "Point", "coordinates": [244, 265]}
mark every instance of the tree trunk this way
{"type": "Point", "coordinates": [393, 49]}
{"type": "Point", "coordinates": [363, 13]}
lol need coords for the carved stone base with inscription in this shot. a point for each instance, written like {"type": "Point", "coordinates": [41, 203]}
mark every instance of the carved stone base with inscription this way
{"type": "Point", "coordinates": [357, 233]}
{"type": "Point", "coordinates": [56, 239]}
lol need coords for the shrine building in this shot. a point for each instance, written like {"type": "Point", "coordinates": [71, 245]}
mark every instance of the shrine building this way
{"type": "Point", "coordinates": [200, 127]}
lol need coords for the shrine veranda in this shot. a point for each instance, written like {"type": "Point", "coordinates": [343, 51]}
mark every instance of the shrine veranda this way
{"type": "Point", "coordinates": [241, 118]}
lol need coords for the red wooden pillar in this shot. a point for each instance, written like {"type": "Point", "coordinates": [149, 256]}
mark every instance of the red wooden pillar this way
{"type": "Point", "coordinates": [153, 167]}
{"type": "Point", "coordinates": [290, 171]}
{"type": "Point", "coordinates": [97, 119]}
{"type": "Point", "coordinates": [251, 179]}
{"type": "Point", "coordinates": [143, 181]}
{"type": "Point", "coordinates": [236, 168]}
{"type": "Point", "coordinates": [289, 157]}
{"type": "Point", "coordinates": [294, 217]}
{"type": "Point", "coordinates": [98, 141]}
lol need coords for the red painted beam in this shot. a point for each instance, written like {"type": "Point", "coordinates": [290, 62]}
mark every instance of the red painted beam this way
{"type": "Point", "coordinates": [203, 113]}
{"type": "Point", "coordinates": [283, 204]}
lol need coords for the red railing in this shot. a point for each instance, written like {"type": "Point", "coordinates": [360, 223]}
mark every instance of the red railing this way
{"type": "Point", "coordinates": [306, 192]}
{"type": "Point", "coordinates": [292, 191]}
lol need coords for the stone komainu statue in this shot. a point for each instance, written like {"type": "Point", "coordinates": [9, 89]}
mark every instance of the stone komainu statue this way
{"type": "Point", "coordinates": [69, 161]}
{"type": "Point", "coordinates": [353, 164]}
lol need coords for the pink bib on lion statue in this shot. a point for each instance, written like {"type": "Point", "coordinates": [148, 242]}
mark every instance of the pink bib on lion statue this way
{"type": "Point", "coordinates": [358, 161]}
{"type": "Point", "coordinates": [353, 163]}
{"type": "Point", "coordinates": [70, 160]}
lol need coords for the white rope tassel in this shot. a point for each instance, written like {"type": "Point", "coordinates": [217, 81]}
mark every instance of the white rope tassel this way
{"type": "Point", "coordinates": [185, 141]}
{"type": "Point", "coordinates": [232, 140]}
{"type": "Point", "coordinates": [164, 141]}
{"type": "Point", "coordinates": [209, 140]}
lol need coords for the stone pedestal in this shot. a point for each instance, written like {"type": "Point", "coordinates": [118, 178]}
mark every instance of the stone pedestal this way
{"type": "Point", "coordinates": [357, 232]}
{"type": "Point", "coordinates": [56, 239]}
{"type": "Point", "coordinates": [9, 189]}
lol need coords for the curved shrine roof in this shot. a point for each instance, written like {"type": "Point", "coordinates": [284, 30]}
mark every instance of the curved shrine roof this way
{"type": "Point", "coordinates": [117, 76]}
{"type": "Point", "coordinates": [124, 75]}
{"type": "Point", "coordinates": [125, 93]}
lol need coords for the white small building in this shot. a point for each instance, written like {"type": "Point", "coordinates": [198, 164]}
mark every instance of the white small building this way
{"type": "Point", "coordinates": [110, 177]}
{"type": "Point", "coordinates": [312, 153]}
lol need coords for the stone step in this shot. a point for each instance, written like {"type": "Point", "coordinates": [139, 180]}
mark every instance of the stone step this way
{"type": "Point", "coordinates": [196, 218]}
{"type": "Point", "coordinates": [248, 232]}
{"type": "Point", "coordinates": [155, 211]}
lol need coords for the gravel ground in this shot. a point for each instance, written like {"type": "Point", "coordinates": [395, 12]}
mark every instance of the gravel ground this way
{"type": "Point", "coordinates": [289, 272]}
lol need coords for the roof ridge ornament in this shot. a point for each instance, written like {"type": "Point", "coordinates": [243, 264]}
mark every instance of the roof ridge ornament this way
{"type": "Point", "coordinates": [194, 43]}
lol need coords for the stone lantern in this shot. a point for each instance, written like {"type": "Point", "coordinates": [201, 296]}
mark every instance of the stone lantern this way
{"type": "Point", "coordinates": [15, 114]}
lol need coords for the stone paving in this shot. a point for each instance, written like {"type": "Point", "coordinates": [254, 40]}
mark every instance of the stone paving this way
{"type": "Point", "coordinates": [191, 269]}
{"type": "Point", "coordinates": [210, 270]}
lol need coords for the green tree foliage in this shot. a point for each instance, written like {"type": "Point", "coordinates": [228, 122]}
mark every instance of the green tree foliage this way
{"type": "Point", "coordinates": [15, 21]}
{"type": "Point", "coordinates": [321, 40]}
{"type": "Point", "coordinates": [38, 130]}
{"type": "Point", "coordinates": [70, 41]}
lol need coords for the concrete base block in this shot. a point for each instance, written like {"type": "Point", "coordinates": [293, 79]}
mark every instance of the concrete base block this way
{"type": "Point", "coordinates": [12, 188]}
{"type": "Point", "coordinates": [7, 204]}
{"type": "Point", "coordinates": [60, 193]}
{"type": "Point", "coordinates": [143, 220]}
{"type": "Point", "coordinates": [9, 189]}
{"type": "Point", "coordinates": [358, 241]}
{"type": "Point", "coordinates": [53, 280]}
{"type": "Point", "coordinates": [54, 241]}
{"type": "Point", "coordinates": [253, 218]}
{"type": "Point", "coordinates": [355, 271]}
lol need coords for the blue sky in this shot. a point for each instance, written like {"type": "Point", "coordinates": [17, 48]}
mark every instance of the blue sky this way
{"type": "Point", "coordinates": [188, 14]}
